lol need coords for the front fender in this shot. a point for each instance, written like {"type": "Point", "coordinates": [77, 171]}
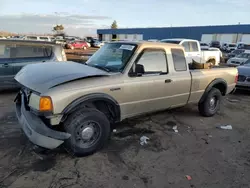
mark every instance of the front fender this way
{"type": "Point", "coordinates": [89, 98]}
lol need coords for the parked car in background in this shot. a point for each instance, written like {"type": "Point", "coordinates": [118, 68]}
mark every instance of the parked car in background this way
{"type": "Point", "coordinates": [17, 37]}
{"type": "Point", "coordinates": [89, 45]}
{"type": "Point", "coordinates": [233, 54]}
{"type": "Point", "coordinates": [230, 47]}
{"type": "Point", "coordinates": [243, 46]}
{"type": "Point", "coordinates": [39, 38]}
{"type": "Point", "coordinates": [2, 37]}
{"type": "Point", "coordinates": [223, 46]}
{"type": "Point", "coordinates": [239, 59]}
{"type": "Point", "coordinates": [244, 76]}
{"type": "Point", "coordinates": [44, 38]}
{"type": "Point", "coordinates": [94, 42]}
{"type": "Point", "coordinates": [193, 51]}
{"type": "Point", "coordinates": [215, 44]}
{"type": "Point", "coordinates": [121, 80]}
{"type": "Point", "coordinates": [97, 44]}
{"type": "Point", "coordinates": [77, 44]}
{"type": "Point", "coordinates": [62, 42]}
{"type": "Point", "coordinates": [204, 46]}
{"type": "Point", "coordinates": [15, 54]}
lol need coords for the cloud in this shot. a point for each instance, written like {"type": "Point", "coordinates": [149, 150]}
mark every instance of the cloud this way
{"type": "Point", "coordinates": [43, 23]}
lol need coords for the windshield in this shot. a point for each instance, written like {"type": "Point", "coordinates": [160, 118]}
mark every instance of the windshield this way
{"type": "Point", "coordinates": [171, 41]}
{"type": "Point", "coordinates": [112, 57]}
{"type": "Point", "coordinates": [244, 55]}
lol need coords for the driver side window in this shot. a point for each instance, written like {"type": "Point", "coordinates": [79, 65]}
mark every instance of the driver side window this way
{"type": "Point", "coordinates": [153, 62]}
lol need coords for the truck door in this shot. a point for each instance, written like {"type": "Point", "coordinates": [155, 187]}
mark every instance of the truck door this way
{"type": "Point", "coordinates": [146, 91]}
{"type": "Point", "coordinates": [192, 51]}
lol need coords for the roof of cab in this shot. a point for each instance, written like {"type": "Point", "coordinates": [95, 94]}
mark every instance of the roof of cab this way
{"type": "Point", "coordinates": [150, 44]}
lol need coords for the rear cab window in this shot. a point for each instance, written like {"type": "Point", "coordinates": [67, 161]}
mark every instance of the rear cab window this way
{"type": "Point", "coordinates": [19, 53]}
{"type": "Point", "coordinates": [179, 59]}
{"type": "Point", "coordinates": [29, 51]}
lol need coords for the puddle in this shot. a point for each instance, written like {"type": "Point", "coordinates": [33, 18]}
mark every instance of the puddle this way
{"type": "Point", "coordinates": [44, 165]}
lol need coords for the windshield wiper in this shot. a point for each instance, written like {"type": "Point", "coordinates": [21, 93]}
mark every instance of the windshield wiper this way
{"type": "Point", "coordinates": [100, 67]}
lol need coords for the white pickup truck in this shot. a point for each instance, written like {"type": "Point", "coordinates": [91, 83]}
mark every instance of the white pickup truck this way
{"type": "Point", "coordinates": [193, 51]}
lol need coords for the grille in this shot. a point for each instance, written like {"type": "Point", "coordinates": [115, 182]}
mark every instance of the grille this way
{"type": "Point", "coordinates": [241, 78]}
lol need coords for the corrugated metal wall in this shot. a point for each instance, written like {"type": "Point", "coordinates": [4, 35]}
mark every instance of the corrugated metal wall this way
{"type": "Point", "coordinates": [179, 32]}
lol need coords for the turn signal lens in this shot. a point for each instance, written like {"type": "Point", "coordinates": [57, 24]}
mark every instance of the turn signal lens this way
{"type": "Point", "coordinates": [45, 104]}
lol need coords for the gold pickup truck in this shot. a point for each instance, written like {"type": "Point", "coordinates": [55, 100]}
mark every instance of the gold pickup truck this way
{"type": "Point", "coordinates": [75, 104]}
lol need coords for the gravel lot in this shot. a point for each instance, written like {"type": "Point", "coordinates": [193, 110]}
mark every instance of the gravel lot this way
{"type": "Point", "coordinates": [213, 158]}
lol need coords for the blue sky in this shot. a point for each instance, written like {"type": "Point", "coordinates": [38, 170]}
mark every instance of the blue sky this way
{"type": "Point", "coordinates": [83, 17]}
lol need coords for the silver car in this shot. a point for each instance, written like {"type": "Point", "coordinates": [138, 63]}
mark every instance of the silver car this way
{"type": "Point", "coordinates": [15, 54]}
{"type": "Point", "coordinates": [239, 59]}
{"type": "Point", "coordinates": [244, 76]}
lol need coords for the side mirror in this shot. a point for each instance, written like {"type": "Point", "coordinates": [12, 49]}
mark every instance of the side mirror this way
{"type": "Point", "coordinates": [139, 71]}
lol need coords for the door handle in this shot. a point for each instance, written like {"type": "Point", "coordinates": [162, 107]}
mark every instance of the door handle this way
{"type": "Point", "coordinates": [5, 65]}
{"type": "Point", "coordinates": [168, 80]}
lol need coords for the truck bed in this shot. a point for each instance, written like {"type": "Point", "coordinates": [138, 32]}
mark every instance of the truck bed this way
{"type": "Point", "coordinates": [201, 78]}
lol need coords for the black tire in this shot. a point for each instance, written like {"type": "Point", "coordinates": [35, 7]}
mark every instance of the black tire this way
{"type": "Point", "coordinates": [79, 121]}
{"type": "Point", "coordinates": [206, 107]}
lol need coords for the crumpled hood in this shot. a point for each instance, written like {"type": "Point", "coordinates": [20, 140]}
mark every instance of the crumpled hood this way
{"type": "Point", "coordinates": [42, 76]}
{"type": "Point", "coordinates": [244, 70]}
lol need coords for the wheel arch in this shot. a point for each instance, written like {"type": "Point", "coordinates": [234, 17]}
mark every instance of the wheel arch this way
{"type": "Point", "coordinates": [210, 59]}
{"type": "Point", "coordinates": [217, 83]}
{"type": "Point", "coordinates": [95, 99]}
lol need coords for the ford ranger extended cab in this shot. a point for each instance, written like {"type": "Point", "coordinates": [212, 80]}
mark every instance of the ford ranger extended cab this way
{"type": "Point", "coordinates": [76, 104]}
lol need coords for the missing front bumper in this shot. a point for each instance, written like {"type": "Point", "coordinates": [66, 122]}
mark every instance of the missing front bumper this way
{"type": "Point", "coordinates": [34, 128]}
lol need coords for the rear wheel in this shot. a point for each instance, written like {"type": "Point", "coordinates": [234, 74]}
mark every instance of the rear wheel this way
{"type": "Point", "coordinates": [211, 103]}
{"type": "Point", "coordinates": [89, 129]}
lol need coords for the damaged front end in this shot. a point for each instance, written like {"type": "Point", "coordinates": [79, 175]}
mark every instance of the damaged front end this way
{"type": "Point", "coordinates": [35, 129]}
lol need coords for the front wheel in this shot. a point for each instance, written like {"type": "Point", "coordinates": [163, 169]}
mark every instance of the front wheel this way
{"type": "Point", "coordinates": [89, 129]}
{"type": "Point", "coordinates": [84, 47]}
{"type": "Point", "coordinates": [211, 103]}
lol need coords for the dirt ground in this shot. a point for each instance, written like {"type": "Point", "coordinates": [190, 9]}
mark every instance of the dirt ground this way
{"type": "Point", "coordinates": [214, 158]}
